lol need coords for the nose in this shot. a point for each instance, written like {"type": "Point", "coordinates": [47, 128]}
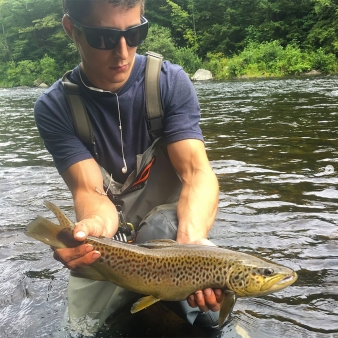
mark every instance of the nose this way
{"type": "Point", "coordinates": [122, 48]}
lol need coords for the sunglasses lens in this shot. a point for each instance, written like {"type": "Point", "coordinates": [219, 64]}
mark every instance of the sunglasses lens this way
{"type": "Point", "coordinates": [102, 38]}
{"type": "Point", "coordinates": [135, 36]}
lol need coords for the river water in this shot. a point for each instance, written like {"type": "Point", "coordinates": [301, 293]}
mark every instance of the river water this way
{"type": "Point", "coordinates": [273, 145]}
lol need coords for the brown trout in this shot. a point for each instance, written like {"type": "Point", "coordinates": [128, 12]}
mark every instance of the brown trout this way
{"type": "Point", "coordinates": [166, 270]}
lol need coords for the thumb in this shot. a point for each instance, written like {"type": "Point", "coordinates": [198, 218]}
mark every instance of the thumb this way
{"type": "Point", "coordinates": [80, 231]}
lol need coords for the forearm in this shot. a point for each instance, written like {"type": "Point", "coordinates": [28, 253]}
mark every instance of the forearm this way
{"type": "Point", "coordinates": [197, 206]}
{"type": "Point", "coordinates": [93, 208]}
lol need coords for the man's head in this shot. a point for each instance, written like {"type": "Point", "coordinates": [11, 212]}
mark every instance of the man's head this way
{"type": "Point", "coordinates": [81, 9]}
{"type": "Point", "coordinates": [106, 34]}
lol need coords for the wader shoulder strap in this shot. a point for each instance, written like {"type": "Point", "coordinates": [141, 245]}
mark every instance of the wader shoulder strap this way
{"type": "Point", "coordinates": [83, 127]}
{"type": "Point", "coordinates": [153, 94]}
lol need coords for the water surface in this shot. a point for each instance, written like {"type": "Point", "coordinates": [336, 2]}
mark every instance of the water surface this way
{"type": "Point", "coordinates": [273, 146]}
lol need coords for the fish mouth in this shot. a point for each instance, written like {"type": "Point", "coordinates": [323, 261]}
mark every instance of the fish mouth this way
{"type": "Point", "coordinates": [288, 279]}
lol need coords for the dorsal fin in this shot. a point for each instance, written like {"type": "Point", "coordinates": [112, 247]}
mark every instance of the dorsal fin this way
{"type": "Point", "coordinates": [158, 243]}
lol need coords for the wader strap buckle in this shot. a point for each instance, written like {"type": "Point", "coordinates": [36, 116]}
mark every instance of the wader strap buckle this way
{"type": "Point", "coordinates": [126, 231]}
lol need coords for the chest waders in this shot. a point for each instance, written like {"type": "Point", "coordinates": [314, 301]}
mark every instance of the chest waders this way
{"type": "Point", "coordinates": [151, 191]}
{"type": "Point", "coordinates": [147, 201]}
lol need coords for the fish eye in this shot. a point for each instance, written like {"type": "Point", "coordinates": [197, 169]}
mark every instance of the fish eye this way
{"type": "Point", "coordinates": [268, 272]}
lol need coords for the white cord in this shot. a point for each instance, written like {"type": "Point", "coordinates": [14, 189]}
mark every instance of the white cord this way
{"type": "Point", "coordinates": [124, 169]}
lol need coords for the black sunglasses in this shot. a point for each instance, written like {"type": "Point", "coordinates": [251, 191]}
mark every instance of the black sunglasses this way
{"type": "Point", "coordinates": [109, 38]}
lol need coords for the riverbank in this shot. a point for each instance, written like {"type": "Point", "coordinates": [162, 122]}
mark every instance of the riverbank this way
{"type": "Point", "coordinates": [257, 60]}
{"type": "Point", "coordinates": [271, 59]}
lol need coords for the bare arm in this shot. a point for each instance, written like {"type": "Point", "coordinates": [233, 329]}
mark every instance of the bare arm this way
{"type": "Point", "coordinates": [96, 214]}
{"type": "Point", "coordinates": [197, 206]}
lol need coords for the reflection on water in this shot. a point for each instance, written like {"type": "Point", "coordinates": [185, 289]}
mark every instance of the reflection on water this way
{"type": "Point", "coordinates": [273, 146]}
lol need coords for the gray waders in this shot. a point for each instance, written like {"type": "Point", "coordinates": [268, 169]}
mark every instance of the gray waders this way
{"type": "Point", "coordinates": [147, 200]}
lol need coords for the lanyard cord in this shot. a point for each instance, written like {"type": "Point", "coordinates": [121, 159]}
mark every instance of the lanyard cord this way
{"type": "Point", "coordinates": [124, 169]}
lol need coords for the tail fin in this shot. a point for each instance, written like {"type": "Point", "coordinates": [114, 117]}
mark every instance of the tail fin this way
{"type": "Point", "coordinates": [57, 235]}
{"type": "Point", "coordinates": [44, 231]}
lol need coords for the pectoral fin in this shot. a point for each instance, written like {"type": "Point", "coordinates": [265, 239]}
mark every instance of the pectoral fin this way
{"type": "Point", "coordinates": [143, 303]}
{"type": "Point", "coordinates": [227, 305]}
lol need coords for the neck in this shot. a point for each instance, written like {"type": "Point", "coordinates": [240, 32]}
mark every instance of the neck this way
{"type": "Point", "coordinates": [92, 88]}
{"type": "Point", "coordinates": [102, 83]}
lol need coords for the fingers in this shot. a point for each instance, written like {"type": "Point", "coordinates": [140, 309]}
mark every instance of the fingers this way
{"type": "Point", "coordinates": [83, 254]}
{"type": "Point", "coordinates": [77, 257]}
{"type": "Point", "coordinates": [205, 300]}
{"type": "Point", "coordinates": [197, 300]}
{"type": "Point", "coordinates": [219, 295]}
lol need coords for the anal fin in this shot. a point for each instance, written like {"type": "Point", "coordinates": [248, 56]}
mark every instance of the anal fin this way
{"type": "Point", "coordinates": [143, 303]}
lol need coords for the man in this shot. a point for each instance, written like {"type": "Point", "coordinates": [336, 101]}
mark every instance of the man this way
{"type": "Point", "coordinates": [111, 78]}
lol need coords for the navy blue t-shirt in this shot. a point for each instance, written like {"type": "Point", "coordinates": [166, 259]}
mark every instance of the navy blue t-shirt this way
{"type": "Point", "coordinates": [54, 120]}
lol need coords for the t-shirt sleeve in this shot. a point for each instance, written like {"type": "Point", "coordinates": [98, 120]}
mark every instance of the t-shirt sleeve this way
{"type": "Point", "coordinates": [181, 106]}
{"type": "Point", "coordinates": [56, 128]}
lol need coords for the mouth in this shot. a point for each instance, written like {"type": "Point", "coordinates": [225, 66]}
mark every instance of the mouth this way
{"type": "Point", "coordinates": [119, 68]}
{"type": "Point", "coordinates": [288, 279]}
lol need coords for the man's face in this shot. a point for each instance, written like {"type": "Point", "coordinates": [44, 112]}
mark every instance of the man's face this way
{"type": "Point", "coordinates": [109, 69]}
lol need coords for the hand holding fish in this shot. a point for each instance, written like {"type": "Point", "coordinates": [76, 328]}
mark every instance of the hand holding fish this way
{"type": "Point", "coordinates": [207, 299]}
{"type": "Point", "coordinates": [83, 254]}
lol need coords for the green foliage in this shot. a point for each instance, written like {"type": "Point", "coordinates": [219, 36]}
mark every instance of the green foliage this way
{"type": "Point", "coordinates": [160, 41]}
{"type": "Point", "coordinates": [48, 70]}
{"type": "Point", "coordinates": [32, 28]}
{"type": "Point", "coordinates": [21, 73]}
{"type": "Point", "coordinates": [188, 59]}
{"type": "Point", "coordinates": [217, 63]}
{"type": "Point", "coordinates": [3, 77]}
{"type": "Point", "coordinates": [27, 72]}
{"type": "Point", "coordinates": [293, 61]}
{"type": "Point", "coordinates": [270, 59]}
{"type": "Point", "coordinates": [183, 23]}
{"type": "Point", "coordinates": [325, 62]}
{"type": "Point", "coordinates": [234, 37]}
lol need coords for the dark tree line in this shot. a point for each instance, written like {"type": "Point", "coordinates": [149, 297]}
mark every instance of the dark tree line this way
{"type": "Point", "coordinates": [31, 29]}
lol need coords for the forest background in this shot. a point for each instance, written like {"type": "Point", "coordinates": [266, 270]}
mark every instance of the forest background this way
{"type": "Point", "coordinates": [231, 38]}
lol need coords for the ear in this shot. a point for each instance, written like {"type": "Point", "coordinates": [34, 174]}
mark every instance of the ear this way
{"type": "Point", "coordinates": [69, 28]}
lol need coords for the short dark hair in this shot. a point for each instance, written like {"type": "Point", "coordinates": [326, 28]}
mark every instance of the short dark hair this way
{"type": "Point", "coordinates": [81, 9]}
